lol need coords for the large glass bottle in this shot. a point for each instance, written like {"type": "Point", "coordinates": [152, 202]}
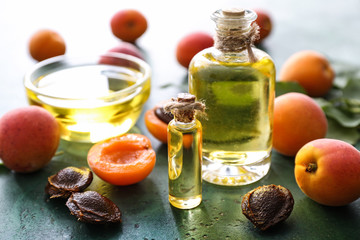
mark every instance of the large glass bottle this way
{"type": "Point", "coordinates": [236, 81]}
{"type": "Point", "coordinates": [184, 153]}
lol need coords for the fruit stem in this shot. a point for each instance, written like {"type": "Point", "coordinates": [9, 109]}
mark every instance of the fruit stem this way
{"type": "Point", "coordinates": [311, 167]}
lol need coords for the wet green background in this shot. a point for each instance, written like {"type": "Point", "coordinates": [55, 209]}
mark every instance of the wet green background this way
{"type": "Point", "coordinates": [25, 211]}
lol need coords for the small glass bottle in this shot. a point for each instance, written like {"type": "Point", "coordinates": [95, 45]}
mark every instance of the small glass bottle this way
{"type": "Point", "coordinates": [236, 81]}
{"type": "Point", "coordinates": [184, 152]}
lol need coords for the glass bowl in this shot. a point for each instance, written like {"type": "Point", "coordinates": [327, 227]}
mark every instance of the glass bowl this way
{"type": "Point", "coordinates": [93, 98]}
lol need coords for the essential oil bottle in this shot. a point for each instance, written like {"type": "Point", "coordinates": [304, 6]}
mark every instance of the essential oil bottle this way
{"type": "Point", "coordinates": [184, 152]}
{"type": "Point", "coordinates": [236, 81]}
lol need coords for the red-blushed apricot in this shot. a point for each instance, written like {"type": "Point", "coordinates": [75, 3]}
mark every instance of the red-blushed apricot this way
{"type": "Point", "coordinates": [127, 48]}
{"type": "Point", "coordinates": [128, 24]}
{"type": "Point", "coordinates": [190, 45]}
{"type": "Point", "coordinates": [122, 160]}
{"type": "Point", "coordinates": [45, 44]}
{"type": "Point", "coordinates": [328, 171]}
{"type": "Point", "coordinates": [29, 138]}
{"type": "Point", "coordinates": [311, 70]}
{"type": "Point", "coordinates": [265, 24]}
{"type": "Point", "coordinates": [297, 120]}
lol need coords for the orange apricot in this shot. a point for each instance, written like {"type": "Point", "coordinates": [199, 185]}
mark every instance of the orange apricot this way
{"type": "Point", "coordinates": [297, 120]}
{"type": "Point", "coordinates": [159, 128]}
{"type": "Point", "coordinates": [45, 44]}
{"type": "Point", "coordinates": [155, 125]}
{"type": "Point", "coordinates": [190, 45]}
{"type": "Point", "coordinates": [128, 24]}
{"type": "Point", "coordinates": [311, 70]}
{"type": "Point", "coordinates": [122, 160]}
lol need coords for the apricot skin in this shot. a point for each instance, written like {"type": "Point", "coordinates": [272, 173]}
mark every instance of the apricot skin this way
{"type": "Point", "coordinates": [297, 120]}
{"type": "Point", "coordinates": [311, 70]}
{"type": "Point", "coordinates": [336, 181]}
{"type": "Point", "coordinates": [128, 25]}
{"type": "Point", "coordinates": [29, 138]}
{"type": "Point", "coordinates": [265, 24]}
{"type": "Point", "coordinates": [155, 126]}
{"type": "Point", "coordinates": [190, 45]}
{"type": "Point", "coordinates": [45, 44]}
{"type": "Point", "coordinates": [127, 48]}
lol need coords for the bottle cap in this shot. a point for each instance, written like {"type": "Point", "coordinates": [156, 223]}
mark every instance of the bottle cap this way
{"type": "Point", "coordinates": [185, 97]}
{"type": "Point", "coordinates": [233, 12]}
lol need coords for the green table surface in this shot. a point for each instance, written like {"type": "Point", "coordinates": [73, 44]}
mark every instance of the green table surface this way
{"type": "Point", "coordinates": [330, 27]}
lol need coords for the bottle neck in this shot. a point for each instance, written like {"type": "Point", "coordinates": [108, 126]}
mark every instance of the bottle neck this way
{"type": "Point", "coordinates": [184, 125]}
{"type": "Point", "coordinates": [184, 116]}
{"type": "Point", "coordinates": [234, 31]}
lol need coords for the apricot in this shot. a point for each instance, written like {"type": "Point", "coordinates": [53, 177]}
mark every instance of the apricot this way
{"type": "Point", "coordinates": [128, 25]}
{"type": "Point", "coordinates": [122, 160]}
{"type": "Point", "coordinates": [127, 48]}
{"type": "Point", "coordinates": [156, 126]}
{"type": "Point", "coordinates": [311, 70]}
{"type": "Point", "coordinates": [297, 120]}
{"type": "Point", "coordinates": [190, 45]}
{"type": "Point", "coordinates": [264, 21]}
{"type": "Point", "coordinates": [328, 171]}
{"type": "Point", "coordinates": [29, 138]}
{"type": "Point", "coordinates": [45, 44]}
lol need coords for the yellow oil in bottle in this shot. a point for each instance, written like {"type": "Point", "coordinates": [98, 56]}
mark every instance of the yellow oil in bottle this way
{"type": "Point", "coordinates": [237, 132]}
{"type": "Point", "coordinates": [236, 81]}
{"type": "Point", "coordinates": [91, 102]}
{"type": "Point", "coordinates": [184, 164]}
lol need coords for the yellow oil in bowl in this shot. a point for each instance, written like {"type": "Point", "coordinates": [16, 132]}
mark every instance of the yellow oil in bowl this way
{"type": "Point", "coordinates": [92, 98]}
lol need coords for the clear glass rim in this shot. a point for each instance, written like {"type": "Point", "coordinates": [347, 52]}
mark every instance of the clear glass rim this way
{"type": "Point", "coordinates": [249, 16]}
{"type": "Point", "coordinates": [144, 68]}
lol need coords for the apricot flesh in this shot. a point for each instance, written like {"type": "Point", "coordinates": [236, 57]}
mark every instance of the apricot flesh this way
{"type": "Point", "coordinates": [29, 138]}
{"type": "Point", "coordinates": [328, 171]}
{"type": "Point", "coordinates": [311, 70]}
{"type": "Point", "coordinates": [297, 120]}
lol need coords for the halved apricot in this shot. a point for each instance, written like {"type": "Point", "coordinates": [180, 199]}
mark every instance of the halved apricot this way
{"type": "Point", "coordinates": [122, 160]}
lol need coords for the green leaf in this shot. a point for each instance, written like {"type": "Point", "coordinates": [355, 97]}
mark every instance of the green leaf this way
{"type": "Point", "coordinates": [333, 94]}
{"type": "Point", "coordinates": [336, 131]}
{"type": "Point", "coordinates": [357, 145]}
{"type": "Point", "coordinates": [344, 119]}
{"type": "Point", "coordinates": [341, 81]}
{"type": "Point", "coordinates": [352, 89]}
{"type": "Point", "coordinates": [322, 102]}
{"type": "Point", "coordinates": [286, 87]}
{"type": "Point", "coordinates": [353, 105]}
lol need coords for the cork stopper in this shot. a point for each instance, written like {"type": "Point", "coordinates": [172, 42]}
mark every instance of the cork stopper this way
{"type": "Point", "coordinates": [184, 107]}
{"type": "Point", "coordinates": [233, 12]}
{"type": "Point", "coordinates": [235, 30]}
{"type": "Point", "coordinates": [186, 97]}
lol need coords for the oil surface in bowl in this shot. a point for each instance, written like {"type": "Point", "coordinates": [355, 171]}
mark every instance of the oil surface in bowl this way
{"type": "Point", "coordinates": [92, 102]}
